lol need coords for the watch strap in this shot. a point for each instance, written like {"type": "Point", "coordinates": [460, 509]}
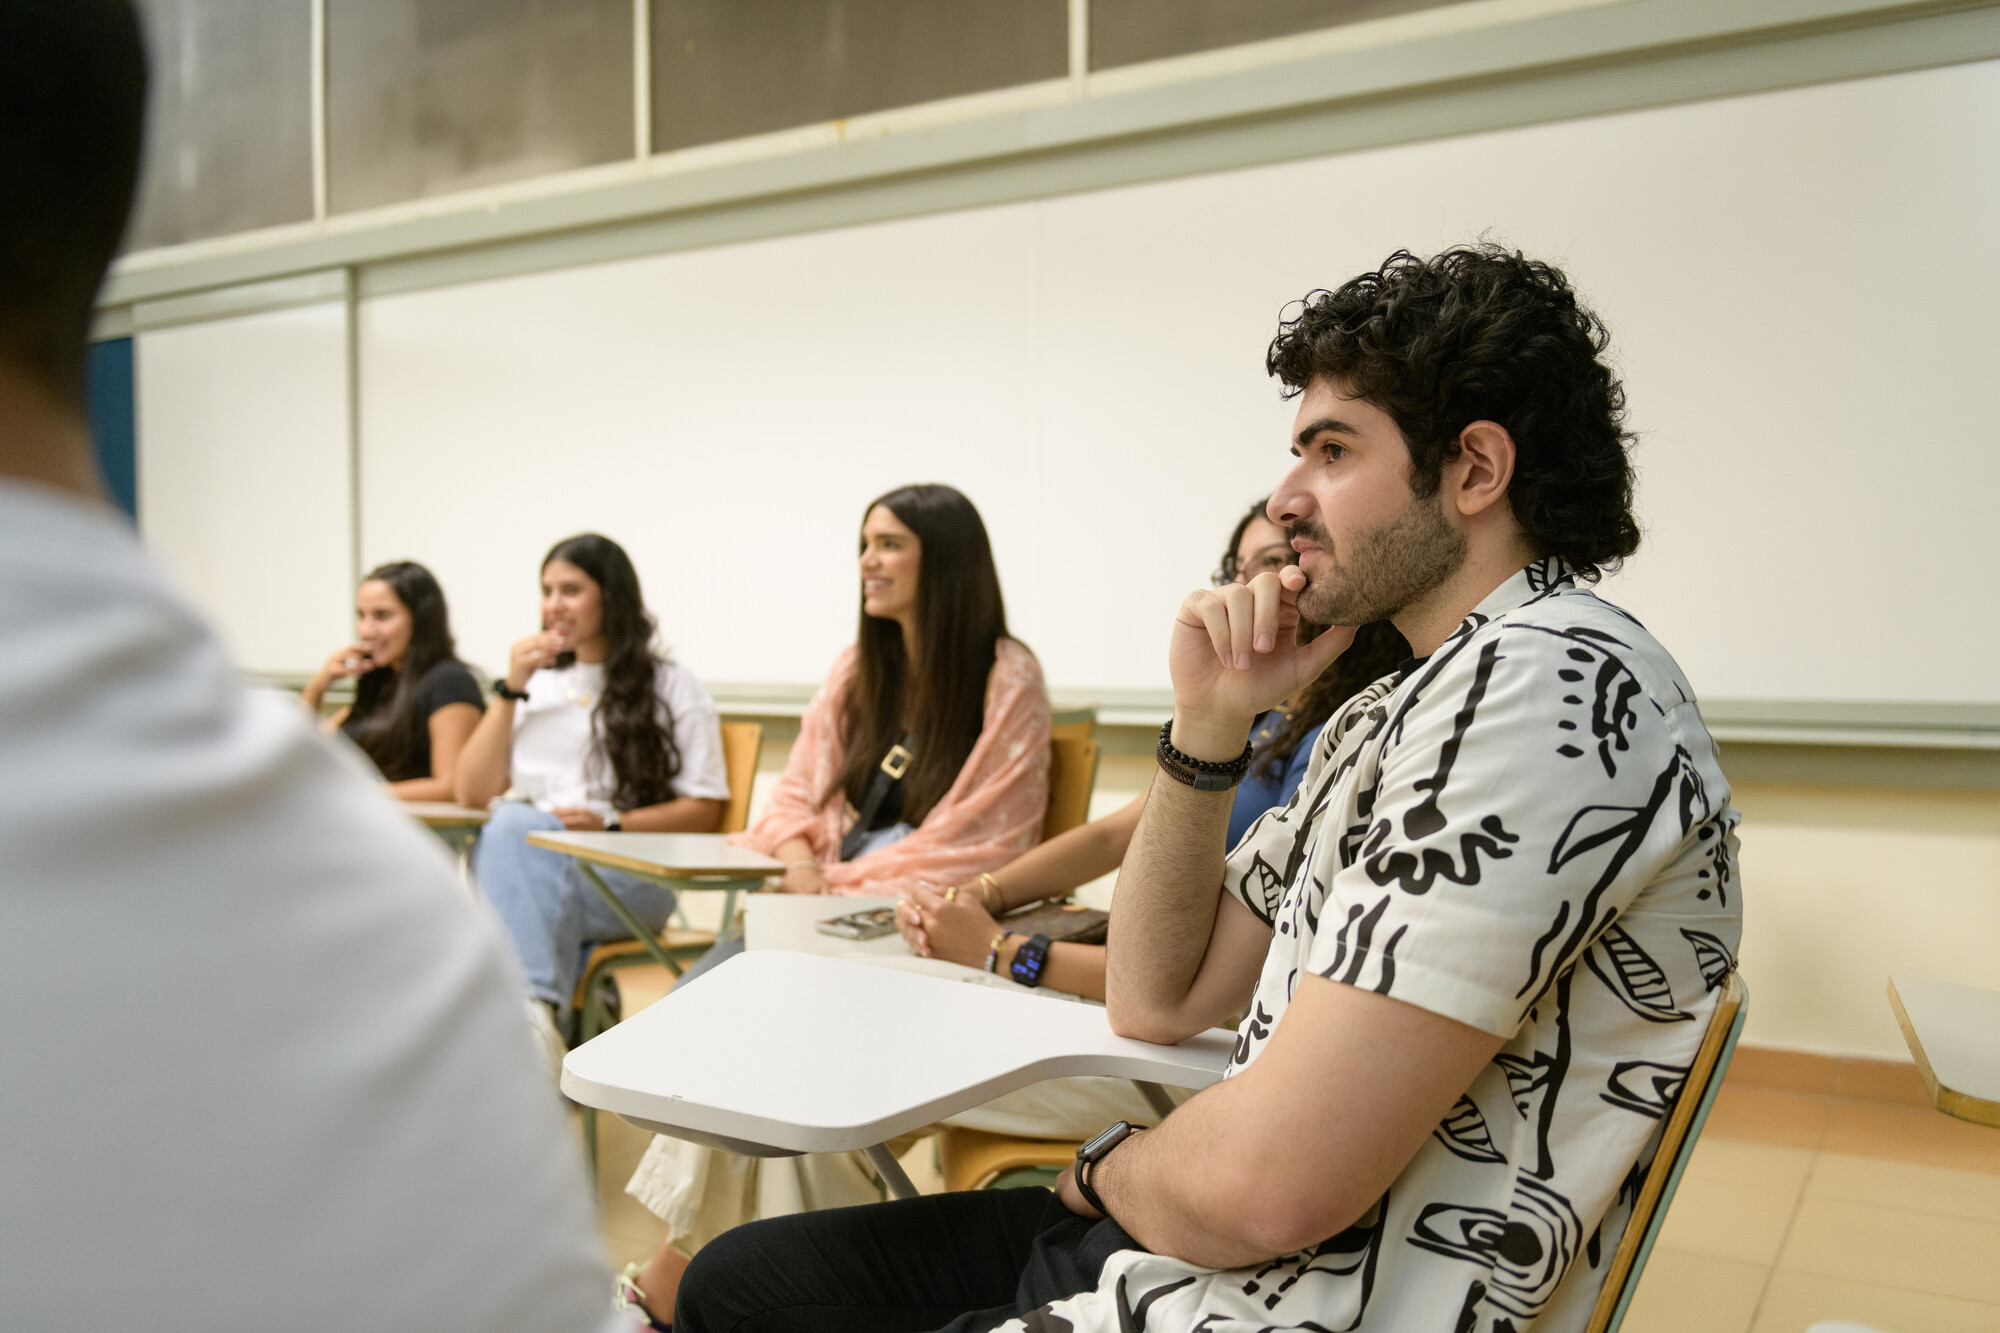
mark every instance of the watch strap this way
{"type": "Point", "coordinates": [1086, 1189]}
{"type": "Point", "coordinates": [1094, 1150]}
{"type": "Point", "coordinates": [501, 688]}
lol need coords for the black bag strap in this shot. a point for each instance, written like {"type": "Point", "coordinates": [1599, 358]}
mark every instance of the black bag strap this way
{"type": "Point", "coordinates": [887, 774]}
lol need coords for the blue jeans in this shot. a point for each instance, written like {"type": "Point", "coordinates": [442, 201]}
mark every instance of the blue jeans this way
{"type": "Point", "coordinates": [551, 911]}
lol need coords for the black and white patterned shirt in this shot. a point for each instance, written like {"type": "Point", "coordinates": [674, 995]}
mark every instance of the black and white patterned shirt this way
{"type": "Point", "coordinates": [1529, 833]}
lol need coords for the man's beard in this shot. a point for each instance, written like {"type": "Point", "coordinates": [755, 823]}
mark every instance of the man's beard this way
{"type": "Point", "coordinates": [1385, 569]}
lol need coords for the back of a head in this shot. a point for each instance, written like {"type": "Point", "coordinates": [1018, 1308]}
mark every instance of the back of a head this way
{"type": "Point", "coordinates": [72, 99]}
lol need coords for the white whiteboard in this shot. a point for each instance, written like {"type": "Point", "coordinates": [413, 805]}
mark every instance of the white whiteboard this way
{"type": "Point", "coordinates": [1802, 286]}
{"type": "Point", "coordinates": [243, 477]}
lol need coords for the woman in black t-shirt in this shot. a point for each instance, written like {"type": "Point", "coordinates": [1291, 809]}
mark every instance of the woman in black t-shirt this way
{"type": "Point", "coordinates": [415, 703]}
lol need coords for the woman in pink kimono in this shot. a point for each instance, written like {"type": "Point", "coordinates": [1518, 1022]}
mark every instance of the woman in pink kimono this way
{"type": "Point", "coordinates": [934, 688]}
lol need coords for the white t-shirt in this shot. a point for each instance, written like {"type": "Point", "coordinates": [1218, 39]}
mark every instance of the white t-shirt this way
{"type": "Point", "coordinates": [557, 760]}
{"type": "Point", "coordinates": [262, 1063]}
{"type": "Point", "coordinates": [1528, 833]}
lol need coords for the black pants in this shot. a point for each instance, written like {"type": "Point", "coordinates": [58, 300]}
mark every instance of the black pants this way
{"type": "Point", "coordinates": [955, 1263]}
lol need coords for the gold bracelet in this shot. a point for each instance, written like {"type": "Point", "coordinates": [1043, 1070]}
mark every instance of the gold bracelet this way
{"type": "Point", "coordinates": [985, 882]}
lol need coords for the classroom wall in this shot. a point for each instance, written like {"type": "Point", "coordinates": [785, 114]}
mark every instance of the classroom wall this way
{"type": "Point", "coordinates": [243, 478]}
{"type": "Point", "coordinates": [1844, 887]}
{"type": "Point", "coordinates": [1799, 286]}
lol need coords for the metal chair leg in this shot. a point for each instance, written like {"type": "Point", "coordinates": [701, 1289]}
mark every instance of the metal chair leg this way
{"type": "Point", "coordinates": [629, 920]}
{"type": "Point", "coordinates": [891, 1172]}
{"type": "Point", "coordinates": [1156, 1097]}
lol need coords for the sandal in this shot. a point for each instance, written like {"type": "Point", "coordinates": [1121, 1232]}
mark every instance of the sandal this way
{"type": "Point", "coordinates": [627, 1298]}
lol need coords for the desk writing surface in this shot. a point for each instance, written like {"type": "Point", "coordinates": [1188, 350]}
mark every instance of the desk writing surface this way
{"type": "Point", "coordinates": [806, 1054]}
{"type": "Point", "coordinates": [789, 921]}
{"type": "Point", "coordinates": [1954, 1033]}
{"type": "Point", "coordinates": [670, 855]}
{"type": "Point", "coordinates": [445, 814]}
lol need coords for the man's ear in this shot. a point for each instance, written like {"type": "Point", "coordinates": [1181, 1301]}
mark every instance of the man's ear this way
{"type": "Point", "coordinates": [1479, 476]}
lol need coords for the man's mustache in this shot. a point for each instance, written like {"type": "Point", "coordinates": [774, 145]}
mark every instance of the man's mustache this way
{"type": "Point", "coordinates": [1312, 532]}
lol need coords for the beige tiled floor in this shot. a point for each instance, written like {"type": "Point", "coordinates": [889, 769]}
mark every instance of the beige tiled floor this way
{"type": "Point", "coordinates": [1800, 1207]}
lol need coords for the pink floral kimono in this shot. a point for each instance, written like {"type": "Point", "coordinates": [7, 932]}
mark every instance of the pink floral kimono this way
{"type": "Point", "coordinates": [991, 814]}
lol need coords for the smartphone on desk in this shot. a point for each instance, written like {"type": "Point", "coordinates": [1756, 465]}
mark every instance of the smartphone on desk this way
{"type": "Point", "coordinates": [872, 924]}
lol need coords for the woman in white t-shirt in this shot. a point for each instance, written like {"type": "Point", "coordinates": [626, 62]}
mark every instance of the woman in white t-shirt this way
{"type": "Point", "coordinates": [591, 729]}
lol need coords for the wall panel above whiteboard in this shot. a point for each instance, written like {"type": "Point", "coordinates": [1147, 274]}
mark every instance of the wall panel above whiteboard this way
{"type": "Point", "coordinates": [1800, 286]}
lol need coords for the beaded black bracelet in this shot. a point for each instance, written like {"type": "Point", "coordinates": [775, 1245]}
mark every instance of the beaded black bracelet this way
{"type": "Point", "coordinates": [1201, 774]}
{"type": "Point", "coordinates": [1240, 764]}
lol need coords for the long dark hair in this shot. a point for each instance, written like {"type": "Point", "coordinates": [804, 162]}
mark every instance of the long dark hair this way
{"type": "Point", "coordinates": [634, 725]}
{"type": "Point", "coordinates": [385, 699]}
{"type": "Point", "coordinates": [1377, 650]}
{"type": "Point", "coordinates": [960, 622]}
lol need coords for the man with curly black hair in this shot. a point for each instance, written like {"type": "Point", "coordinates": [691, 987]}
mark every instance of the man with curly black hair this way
{"type": "Point", "coordinates": [1475, 955]}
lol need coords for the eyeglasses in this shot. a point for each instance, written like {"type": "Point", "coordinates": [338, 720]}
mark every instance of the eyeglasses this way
{"type": "Point", "coordinates": [1267, 563]}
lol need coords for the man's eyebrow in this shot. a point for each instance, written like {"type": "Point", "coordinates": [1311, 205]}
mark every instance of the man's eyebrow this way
{"type": "Point", "coordinates": [1324, 425]}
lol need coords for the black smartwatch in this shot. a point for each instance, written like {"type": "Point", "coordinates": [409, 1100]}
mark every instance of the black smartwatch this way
{"type": "Point", "coordinates": [1029, 960]}
{"type": "Point", "coordinates": [500, 688]}
{"type": "Point", "coordinates": [613, 824]}
{"type": "Point", "coordinates": [1095, 1151]}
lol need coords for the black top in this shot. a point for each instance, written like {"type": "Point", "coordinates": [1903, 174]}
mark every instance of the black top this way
{"type": "Point", "coordinates": [447, 682]}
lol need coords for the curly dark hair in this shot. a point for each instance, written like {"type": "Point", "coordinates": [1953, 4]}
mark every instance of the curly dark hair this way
{"type": "Point", "coordinates": [1482, 333]}
{"type": "Point", "coordinates": [634, 725]}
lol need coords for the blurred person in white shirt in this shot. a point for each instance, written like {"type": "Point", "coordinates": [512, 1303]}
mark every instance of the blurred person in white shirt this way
{"type": "Point", "coordinates": [264, 1063]}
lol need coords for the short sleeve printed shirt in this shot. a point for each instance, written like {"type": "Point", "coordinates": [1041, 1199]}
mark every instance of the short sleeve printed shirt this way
{"type": "Point", "coordinates": [1528, 833]}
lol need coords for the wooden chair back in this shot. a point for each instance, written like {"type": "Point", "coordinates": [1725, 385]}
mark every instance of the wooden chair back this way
{"type": "Point", "coordinates": [1078, 724]}
{"type": "Point", "coordinates": [742, 743]}
{"type": "Point", "coordinates": [1677, 1142]}
{"type": "Point", "coordinates": [972, 1159]}
{"type": "Point", "coordinates": [1072, 778]}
